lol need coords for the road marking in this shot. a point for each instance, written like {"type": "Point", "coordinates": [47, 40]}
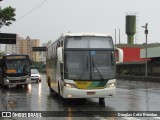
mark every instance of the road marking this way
{"type": "Point", "coordinates": [130, 118]}
{"type": "Point", "coordinates": [156, 117]}
{"type": "Point", "coordinates": [100, 118]}
{"type": "Point", "coordinates": [119, 118]}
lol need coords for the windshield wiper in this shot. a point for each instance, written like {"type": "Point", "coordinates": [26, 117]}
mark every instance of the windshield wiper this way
{"type": "Point", "coordinates": [81, 75]}
{"type": "Point", "coordinates": [97, 69]}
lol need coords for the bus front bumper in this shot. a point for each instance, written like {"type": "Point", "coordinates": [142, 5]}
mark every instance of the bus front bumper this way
{"type": "Point", "coordinates": [16, 82]}
{"type": "Point", "coordinates": [90, 93]}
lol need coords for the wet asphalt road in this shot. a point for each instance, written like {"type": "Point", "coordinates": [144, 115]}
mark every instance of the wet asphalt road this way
{"type": "Point", "coordinates": [130, 96]}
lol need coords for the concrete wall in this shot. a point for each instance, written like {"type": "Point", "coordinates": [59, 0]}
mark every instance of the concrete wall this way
{"type": "Point", "coordinates": [151, 52]}
{"type": "Point", "coordinates": [139, 78]}
{"type": "Point", "coordinates": [138, 69]}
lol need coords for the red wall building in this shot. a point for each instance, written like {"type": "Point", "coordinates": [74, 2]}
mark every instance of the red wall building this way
{"type": "Point", "coordinates": [131, 54]}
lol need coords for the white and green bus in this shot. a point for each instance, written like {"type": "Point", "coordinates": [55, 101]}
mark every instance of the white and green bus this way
{"type": "Point", "coordinates": [82, 65]}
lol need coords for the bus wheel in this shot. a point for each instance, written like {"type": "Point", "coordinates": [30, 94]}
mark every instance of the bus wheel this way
{"type": "Point", "coordinates": [101, 100]}
{"type": "Point", "coordinates": [50, 89]}
{"type": "Point", "coordinates": [6, 86]}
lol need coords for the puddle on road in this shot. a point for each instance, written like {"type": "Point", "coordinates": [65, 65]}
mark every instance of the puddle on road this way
{"type": "Point", "coordinates": [12, 104]}
{"type": "Point", "coordinates": [7, 104]}
{"type": "Point", "coordinates": [9, 99]}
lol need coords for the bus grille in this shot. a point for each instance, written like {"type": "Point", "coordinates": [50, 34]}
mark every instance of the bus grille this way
{"type": "Point", "coordinates": [17, 81]}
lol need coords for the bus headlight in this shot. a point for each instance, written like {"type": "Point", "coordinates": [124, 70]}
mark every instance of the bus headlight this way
{"type": "Point", "coordinates": [6, 79]}
{"type": "Point", "coordinates": [111, 85]}
{"type": "Point", "coordinates": [70, 85]}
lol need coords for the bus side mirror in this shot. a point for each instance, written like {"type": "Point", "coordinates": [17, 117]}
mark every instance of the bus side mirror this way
{"type": "Point", "coordinates": [59, 54]}
{"type": "Point", "coordinates": [119, 55]}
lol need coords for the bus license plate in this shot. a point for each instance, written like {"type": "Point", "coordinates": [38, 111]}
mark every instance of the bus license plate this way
{"type": "Point", "coordinates": [90, 93]}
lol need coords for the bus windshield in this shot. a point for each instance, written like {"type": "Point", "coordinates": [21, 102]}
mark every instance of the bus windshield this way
{"type": "Point", "coordinates": [17, 66]}
{"type": "Point", "coordinates": [89, 65]}
{"type": "Point", "coordinates": [89, 58]}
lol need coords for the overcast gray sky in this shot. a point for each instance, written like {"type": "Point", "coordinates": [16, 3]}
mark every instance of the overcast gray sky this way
{"type": "Point", "coordinates": [47, 19]}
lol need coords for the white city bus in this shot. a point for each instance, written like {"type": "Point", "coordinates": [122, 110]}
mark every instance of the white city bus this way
{"type": "Point", "coordinates": [82, 65]}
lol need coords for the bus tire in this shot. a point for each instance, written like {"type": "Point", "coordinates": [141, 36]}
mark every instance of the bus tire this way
{"type": "Point", "coordinates": [6, 86]}
{"type": "Point", "coordinates": [101, 100]}
{"type": "Point", "coordinates": [49, 85]}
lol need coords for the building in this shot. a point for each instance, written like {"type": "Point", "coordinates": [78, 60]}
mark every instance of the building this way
{"type": "Point", "coordinates": [24, 46]}
{"type": "Point", "coordinates": [135, 60]}
{"type": "Point", "coordinates": [136, 52]}
{"type": "Point", "coordinates": [131, 52]}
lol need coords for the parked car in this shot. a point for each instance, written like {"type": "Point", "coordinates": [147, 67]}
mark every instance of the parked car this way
{"type": "Point", "coordinates": [35, 75]}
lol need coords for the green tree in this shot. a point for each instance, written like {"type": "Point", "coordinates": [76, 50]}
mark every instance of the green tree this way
{"type": "Point", "coordinates": [7, 16]}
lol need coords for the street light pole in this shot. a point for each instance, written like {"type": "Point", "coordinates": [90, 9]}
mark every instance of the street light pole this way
{"type": "Point", "coordinates": [115, 36]}
{"type": "Point", "coordinates": [146, 32]}
{"type": "Point", "coordinates": [119, 36]}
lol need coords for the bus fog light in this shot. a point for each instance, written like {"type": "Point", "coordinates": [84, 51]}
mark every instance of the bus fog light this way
{"type": "Point", "coordinates": [70, 85]}
{"type": "Point", "coordinates": [111, 85]}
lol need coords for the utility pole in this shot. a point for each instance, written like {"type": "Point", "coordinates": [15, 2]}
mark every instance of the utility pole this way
{"type": "Point", "coordinates": [115, 36]}
{"type": "Point", "coordinates": [119, 36]}
{"type": "Point", "coordinates": [146, 32]}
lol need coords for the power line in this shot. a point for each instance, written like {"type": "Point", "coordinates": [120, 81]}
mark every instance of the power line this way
{"type": "Point", "coordinates": [32, 10]}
